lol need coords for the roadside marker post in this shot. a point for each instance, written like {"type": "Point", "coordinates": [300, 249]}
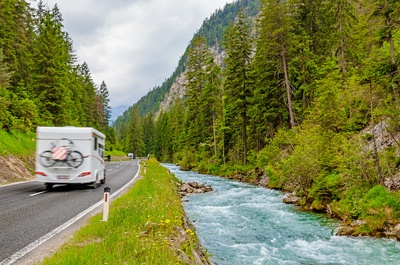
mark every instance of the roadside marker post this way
{"type": "Point", "coordinates": [144, 167]}
{"type": "Point", "coordinates": [106, 205]}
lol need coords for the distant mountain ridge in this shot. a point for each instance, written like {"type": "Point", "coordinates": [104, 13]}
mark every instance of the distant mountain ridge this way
{"type": "Point", "coordinates": [116, 112]}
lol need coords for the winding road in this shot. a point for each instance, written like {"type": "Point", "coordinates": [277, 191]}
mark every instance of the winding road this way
{"type": "Point", "coordinates": [30, 215]}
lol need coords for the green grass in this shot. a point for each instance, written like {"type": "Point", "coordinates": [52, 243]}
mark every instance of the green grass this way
{"type": "Point", "coordinates": [144, 227]}
{"type": "Point", "coordinates": [115, 153]}
{"type": "Point", "coordinates": [17, 143]}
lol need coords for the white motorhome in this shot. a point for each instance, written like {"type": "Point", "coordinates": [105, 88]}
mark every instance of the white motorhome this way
{"type": "Point", "coordinates": [70, 155]}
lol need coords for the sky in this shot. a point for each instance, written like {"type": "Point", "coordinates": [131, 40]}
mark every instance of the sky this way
{"type": "Point", "coordinates": [133, 45]}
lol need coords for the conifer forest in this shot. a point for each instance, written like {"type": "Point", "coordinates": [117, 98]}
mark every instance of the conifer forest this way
{"type": "Point", "coordinates": [307, 91]}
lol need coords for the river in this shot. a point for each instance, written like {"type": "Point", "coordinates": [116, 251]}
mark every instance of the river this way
{"type": "Point", "coordinates": [243, 224]}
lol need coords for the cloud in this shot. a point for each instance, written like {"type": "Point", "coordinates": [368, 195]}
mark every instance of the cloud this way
{"type": "Point", "coordinates": [133, 45]}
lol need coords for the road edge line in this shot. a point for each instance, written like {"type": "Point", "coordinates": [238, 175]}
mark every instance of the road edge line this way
{"type": "Point", "coordinates": [19, 254]}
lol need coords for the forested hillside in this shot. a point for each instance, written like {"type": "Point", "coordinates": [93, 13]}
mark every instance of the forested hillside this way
{"type": "Point", "coordinates": [40, 80]}
{"type": "Point", "coordinates": [308, 92]}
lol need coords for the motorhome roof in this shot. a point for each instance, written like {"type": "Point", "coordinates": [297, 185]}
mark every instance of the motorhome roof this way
{"type": "Point", "coordinates": [67, 132]}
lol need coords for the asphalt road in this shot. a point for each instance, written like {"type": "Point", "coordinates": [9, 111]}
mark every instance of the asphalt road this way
{"type": "Point", "coordinates": [29, 214]}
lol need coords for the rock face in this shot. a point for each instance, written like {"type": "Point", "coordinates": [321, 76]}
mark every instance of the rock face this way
{"type": "Point", "coordinates": [194, 187]}
{"type": "Point", "coordinates": [177, 90]}
{"type": "Point", "coordinates": [393, 183]}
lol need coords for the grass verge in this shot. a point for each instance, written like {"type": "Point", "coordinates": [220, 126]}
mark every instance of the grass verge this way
{"type": "Point", "coordinates": [147, 225]}
{"type": "Point", "coordinates": [17, 143]}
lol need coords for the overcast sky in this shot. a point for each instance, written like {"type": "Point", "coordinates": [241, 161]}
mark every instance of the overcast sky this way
{"type": "Point", "coordinates": [133, 45]}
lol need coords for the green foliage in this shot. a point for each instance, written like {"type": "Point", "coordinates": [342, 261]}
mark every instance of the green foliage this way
{"type": "Point", "coordinates": [237, 87]}
{"type": "Point", "coordinates": [327, 188]}
{"type": "Point", "coordinates": [17, 143]}
{"type": "Point", "coordinates": [377, 199]}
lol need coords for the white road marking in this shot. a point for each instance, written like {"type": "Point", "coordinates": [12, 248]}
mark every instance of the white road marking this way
{"type": "Point", "coordinates": [110, 169]}
{"type": "Point", "coordinates": [49, 235]}
{"type": "Point", "coordinates": [37, 193]}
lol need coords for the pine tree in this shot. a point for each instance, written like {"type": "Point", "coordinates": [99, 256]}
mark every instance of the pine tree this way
{"type": "Point", "coordinates": [53, 63]}
{"type": "Point", "coordinates": [148, 125]}
{"type": "Point", "coordinates": [237, 90]}
{"type": "Point", "coordinates": [106, 109]}
{"type": "Point", "coordinates": [388, 14]}
{"type": "Point", "coordinates": [88, 92]}
{"type": "Point", "coordinates": [203, 98]}
{"type": "Point", "coordinates": [16, 34]}
{"type": "Point", "coordinates": [135, 134]}
{"type": "Point", "coordinates": [275, 22]}
{"type": "Point", "coordinates": [196, 82]}
{"type": "Point", "coordinates": [213, 99]}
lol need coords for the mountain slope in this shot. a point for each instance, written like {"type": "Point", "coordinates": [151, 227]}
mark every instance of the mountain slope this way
{"type": "Point", "coordinates": [212, 30]}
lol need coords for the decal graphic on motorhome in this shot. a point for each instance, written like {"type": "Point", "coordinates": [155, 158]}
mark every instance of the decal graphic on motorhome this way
{"type": "Point", "coordinates": [61, 153]}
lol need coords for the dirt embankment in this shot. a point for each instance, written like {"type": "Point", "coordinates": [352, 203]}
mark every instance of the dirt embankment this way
{"type": "Point", "coordinates": [16, 169]}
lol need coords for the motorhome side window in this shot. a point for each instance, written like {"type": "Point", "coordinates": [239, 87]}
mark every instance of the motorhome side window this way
{"type": "Point", "coordinates": [95, 143]}
{"type": "Point", "coordinates": [101, 150]}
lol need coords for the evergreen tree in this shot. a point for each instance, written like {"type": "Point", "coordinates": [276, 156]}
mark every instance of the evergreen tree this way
{"type": "Point", "coordinates": [275, 21]}
{"type": "Point", "coordinates": [213, 100]}
{"type": "Point", "coordinates": [388, 14]}
{"type": "Point", "coordinates": [177, 116]}
{"type": "Point", "coordinates": [53, 63]}
{"type": "Point", "coordinates": [106, 100]}
{"type": "Point", "coordinates": [196, 82]}
{"type": "Point", "coordinates": [135, 134]}
{"type": "Point", "coordinates": [88, 92]}
{"type": "Point", "coordinates": [237, 90]}
{"type": "Point", "coordinates": [16, 34]}
{"type": "Point", "coordinates": [163, 143]}
{"type": "Point", "coordinates": [148, 126]}
{"type": "Point", "coordinates": [203, 98]}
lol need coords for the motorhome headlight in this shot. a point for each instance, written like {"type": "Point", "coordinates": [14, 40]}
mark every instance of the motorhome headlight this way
{"type": "Point", "coordinates": [84, 174]}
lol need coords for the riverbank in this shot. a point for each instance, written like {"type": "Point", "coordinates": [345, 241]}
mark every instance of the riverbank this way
{"type": "Point", "coordinates": [147, 225]}
{"type": "Point", "coordinates": [364, 211]}
{"type": "Point", "coordinates": [240, 223]}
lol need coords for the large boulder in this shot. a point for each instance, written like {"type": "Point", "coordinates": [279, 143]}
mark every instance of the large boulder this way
{"type": "Point", "coordinates": [291, 198]}
{"type": "Point", "coordinates": [194, 187]}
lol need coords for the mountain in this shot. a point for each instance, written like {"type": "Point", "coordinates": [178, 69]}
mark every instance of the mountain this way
{"type": "Point", "coordinates": [212, 29]}
{"type": "Point", "coordinates": [118, 111]}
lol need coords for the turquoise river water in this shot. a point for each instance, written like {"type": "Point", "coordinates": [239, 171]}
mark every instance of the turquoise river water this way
{"type": "Point", "coordinates": [243, 224]}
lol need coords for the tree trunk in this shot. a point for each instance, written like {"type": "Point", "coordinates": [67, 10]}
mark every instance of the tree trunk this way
{"type": "Point", "coordinates": [342, 60]}
{"type": "Point", "coordinates": [286, 72]}
{"type": "Point", "coordinates": [244, 137]}
{"type": "Point", "coordinates": [376, 154]}
{"type": "Point", "coordinates": [287, 86]}
{"type": "Point", "coordinates": [214, 134]}
{"type": "Point", "coordinates": [396, 87]}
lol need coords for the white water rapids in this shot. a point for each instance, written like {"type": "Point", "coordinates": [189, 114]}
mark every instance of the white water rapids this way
{"type": "Point", "coordinates": [242, 224]}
